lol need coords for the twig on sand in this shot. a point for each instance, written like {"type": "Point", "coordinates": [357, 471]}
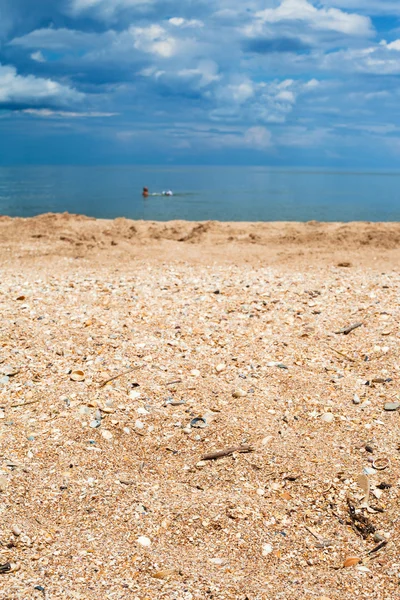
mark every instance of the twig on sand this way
{"type": "Point", "coordinates": [25, 403]}
{"type": "Point", "coordinates": [341, 354]}
{"type": "Point", "coordinates": [174, 382]}
{"type": "Point", "coordinates": [103, 383]}
{"type": "Point", "coordinates": [347, 330]}
{"type": "Point", "coordinates": [227, 452]}
{"type": "Point", "coordinates": [378, 547]}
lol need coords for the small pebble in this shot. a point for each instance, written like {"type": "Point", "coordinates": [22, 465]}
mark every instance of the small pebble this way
{"type": "Point", "coordinates": [217, 561]}
{"type": "Point", "coordinates": [139, 424]}
{"type": "Point", "coordinates": [239, 393]}
{"type": "Point", "coordinates": [16, 530]}
{"type": "Point", "coordinates": [144, 541]}
{"type": "Point", "coordinates": [195, 372]}
{"type": "Point", "coordinates": [266, 549]}
{"type": "Point", "coordinates": [356, 399]}
{"type": "Point", "coordinates": [327, 418]}
{"type": "Point", "coordinates": [221, 367]}
{"type": "Point", "coordinates": [107, 435]}
{"type": "Point", "coordinates": [392, 406]}
{"type": "Point", "coordinates": [378, 537]}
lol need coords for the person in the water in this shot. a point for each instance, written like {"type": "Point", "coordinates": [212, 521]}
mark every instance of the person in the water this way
{"type": "Point", "coordinates": [145, 192]}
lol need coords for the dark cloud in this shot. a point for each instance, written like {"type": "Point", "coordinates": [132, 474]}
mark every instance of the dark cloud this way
{"type": "Point", "coordinates": [279, 44]}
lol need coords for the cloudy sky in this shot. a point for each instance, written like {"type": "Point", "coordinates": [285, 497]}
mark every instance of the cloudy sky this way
{"type": "Point", "coordinates": [285, 82]}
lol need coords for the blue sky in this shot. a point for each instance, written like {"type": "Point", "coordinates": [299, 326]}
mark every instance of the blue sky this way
{"type": "Point", "coordinates": [281, 82]}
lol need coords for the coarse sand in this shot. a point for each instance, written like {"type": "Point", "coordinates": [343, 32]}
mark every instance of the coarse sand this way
{"type": "Point", "coordinates": [132, 350]}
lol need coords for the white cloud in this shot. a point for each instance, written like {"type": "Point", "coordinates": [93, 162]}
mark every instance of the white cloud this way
{"type": "Point", "coordinates": [206, 73]}
{"type": "Point", "coordinates": [107, 8]}
{"type": "Point", "coordinates": [38, 57]}
{"type": "Point", "coordinates": [393, 45]}
{"type": "Point", "coordinates": [377, 60]}
{"type": "Point", "coordinates": [257, 137]}
{"type": "Point", "coordinates": [318, 18]}
{"type": "Point", "coordinates": [154, 40]}
{"type": "Point", "coordinates": [180, 22]}
{"type": "Point", "coordinates": [16, 89]}
{"type": "Point", "coordinates": [63, 114]}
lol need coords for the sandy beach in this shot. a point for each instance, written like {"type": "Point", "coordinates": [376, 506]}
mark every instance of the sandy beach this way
{"type": "Point", "coordinates": [131, 352]}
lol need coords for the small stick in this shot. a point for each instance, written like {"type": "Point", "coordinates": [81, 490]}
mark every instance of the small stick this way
{"type": "Point", "coordinates": [347, 330]}
{"type": "Point", "coordinates": [317, 537]}
{"type": "Point", "coordinates": [24, 404]}
{"type": "Point", "coordinates": [378, 547]}
{"type": "Point", "coordinates": [173, 382]}
{"type": "Point", "coordinates": [341, 354]}
{"type": "Point", "coordinates": [227, 452]}
{"type": "Point", "coordinates": [103, 383]}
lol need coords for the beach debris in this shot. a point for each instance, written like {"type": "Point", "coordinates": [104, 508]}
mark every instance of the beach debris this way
{"type": "Point", "coordinates": [350, 561]}
{"type": "Point", "coordinates": [21, 298]}
{"type": "Point", "coordinates": [239, 393]}
{"type": "Point", "coordinates": [103, 383]}
{"type": "Point", "coordinates": [356, 399]}
{"type": "Point", "coordinates": [359, 522]}
{"type": "Point", "coordinates": [221, 367]}
{"type": "Point", "coordinates": [195, 373]}
{"type": "Point", "coordinates": [349, 329]}
{"type": "Point", "coordinates": [344, 263]}
{"type": "Point", "coordinates": [277, 364]}
{"type": "Point", "coordinates": [77, 375]}
{"type": "Point", "coordinates": [391, 406]}
{"type": "Point", "coordinates": [227, 452]}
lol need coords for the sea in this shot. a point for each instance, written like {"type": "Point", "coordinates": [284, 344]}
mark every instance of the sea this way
{"type": "Point", "coordinates": [201, 193]}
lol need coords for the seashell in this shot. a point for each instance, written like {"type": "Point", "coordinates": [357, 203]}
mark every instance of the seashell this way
{"type": "Point", "coordinates": [77, 375]}
{"type": "Point", "coordinates": [199, 422]}
{"type": "Point", "coordinates": [164, 574]}
{"type": "Point", "coordinates": [350, 561]}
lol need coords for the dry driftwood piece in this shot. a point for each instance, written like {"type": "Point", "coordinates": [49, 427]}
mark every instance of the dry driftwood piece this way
{"type": "Point", "coordinates": [103, 383]}
{"type": "Point", "coordinates": [347, 330]}
{"type": "Point", "coordinates": [227, 452]}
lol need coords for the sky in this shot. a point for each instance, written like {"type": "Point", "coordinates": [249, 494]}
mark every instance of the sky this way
{"type": "Point", "coordinates": [274, 82]}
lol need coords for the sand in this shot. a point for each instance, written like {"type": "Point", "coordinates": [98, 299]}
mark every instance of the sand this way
{"type": "Point", "coordinates": [229, 327]}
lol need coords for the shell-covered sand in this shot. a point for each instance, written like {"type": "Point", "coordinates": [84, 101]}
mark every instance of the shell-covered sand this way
{"type": "Point", "coordinates": [230, 326]}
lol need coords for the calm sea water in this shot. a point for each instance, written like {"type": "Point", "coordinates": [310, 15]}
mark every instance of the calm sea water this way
{"type": "Point", "coordinates": [201, 193]}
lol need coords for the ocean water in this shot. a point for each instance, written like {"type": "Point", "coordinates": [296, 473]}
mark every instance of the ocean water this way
{"type": "Point", "coordinates": [201, 193]}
